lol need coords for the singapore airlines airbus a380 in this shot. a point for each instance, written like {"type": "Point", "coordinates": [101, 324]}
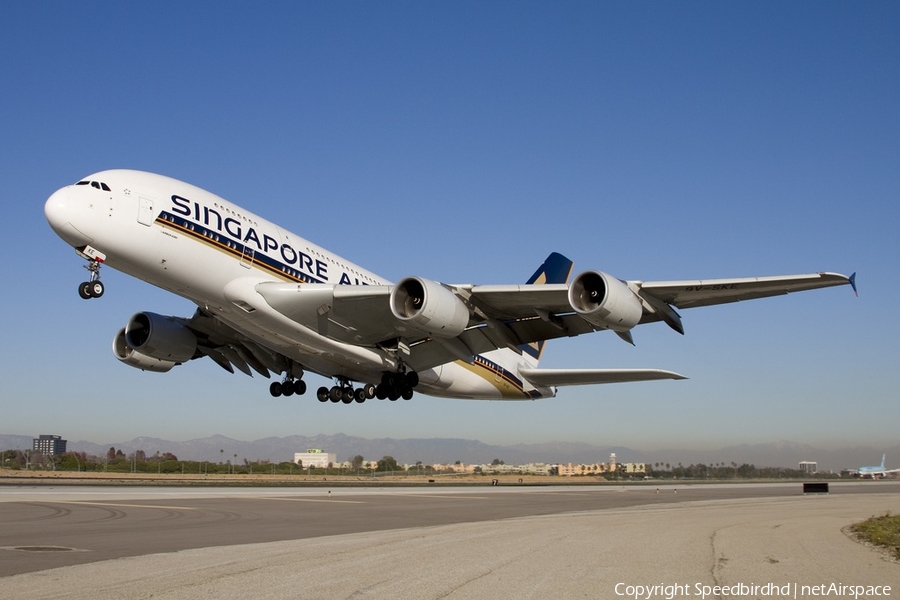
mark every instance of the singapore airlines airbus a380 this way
{"type": "Point", "coordinates": [272, 302]}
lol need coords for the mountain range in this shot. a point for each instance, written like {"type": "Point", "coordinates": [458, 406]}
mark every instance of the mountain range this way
{"type": "Point", "coordinates": [219, 448]}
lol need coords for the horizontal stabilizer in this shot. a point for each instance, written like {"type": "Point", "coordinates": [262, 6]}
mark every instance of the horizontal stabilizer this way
{"type": "Point", "coordinates": [559, 377]}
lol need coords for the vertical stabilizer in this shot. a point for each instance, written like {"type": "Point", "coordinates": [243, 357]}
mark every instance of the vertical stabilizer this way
{"type": "Point", "coordinates": [555, 269]}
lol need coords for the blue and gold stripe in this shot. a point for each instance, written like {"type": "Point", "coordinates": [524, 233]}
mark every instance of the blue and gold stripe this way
{"type": "Point", "coordinates": [240, 251]}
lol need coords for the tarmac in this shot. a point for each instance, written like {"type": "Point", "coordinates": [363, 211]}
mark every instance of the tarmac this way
{"type": "Point", "coordinates": [754, 546]}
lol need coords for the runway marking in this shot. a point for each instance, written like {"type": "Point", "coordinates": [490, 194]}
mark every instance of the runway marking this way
{"type": "Point", "coordinates": [452, 497]}
{"type": "Point", "coordinates": [577, 494]}
{"type": "Point", "coordinates": [87, 503]}
{"type": "Point", "coordinates": [315, 500]}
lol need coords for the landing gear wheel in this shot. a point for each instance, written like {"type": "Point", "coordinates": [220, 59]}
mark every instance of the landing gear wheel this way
{"type": "Point", "coordinates": [412, 379]}
{"type": "Point", "coordinates": [407, 393]}
{"type": "Point", "coordinates": [287, 388]}
{"type": "Point", "coordinates": [84, 290]}
{"type": "Point", "coordinates": [275, 389]}
{"type": "Point", "coordinates": [336, 394]}
{"type": "Point", "coordinates": [299, 387]}
{"type": "Point", "coordinates": [322, 394]}
{"type": "Point", "coordinates": [96, 289]}
{"type": "Point", "coordinates": [359, 395]}
{"type": "Point", "coordinates": [369, 390]}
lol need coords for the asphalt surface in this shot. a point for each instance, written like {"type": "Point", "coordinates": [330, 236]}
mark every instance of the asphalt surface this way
{"type": "Point", "coordinates": [475, 542]}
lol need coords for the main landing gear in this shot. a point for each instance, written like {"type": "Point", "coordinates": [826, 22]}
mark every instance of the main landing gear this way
{"type": "Point", "coordinates": [346, 393]}
{"type": "Point", "coordinates": [288, 387]}
{"type": "Point", "coordinates": [393, 386]}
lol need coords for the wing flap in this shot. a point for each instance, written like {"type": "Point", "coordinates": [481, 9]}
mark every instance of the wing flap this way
{"type": "Point", "coordinates": [560, 377]}
{"type": "Point", "coordinates": [519, 301]}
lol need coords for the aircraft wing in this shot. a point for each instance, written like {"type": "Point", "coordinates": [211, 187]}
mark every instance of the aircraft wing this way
{"type": "Point", "coordinates": [505, 316]}
{"type": "Point", "coordinates": [356, 314]}
{"type": "Point", "coordinates": [707, 292]}
{"type": "Point", "coordinates": [559, 377]}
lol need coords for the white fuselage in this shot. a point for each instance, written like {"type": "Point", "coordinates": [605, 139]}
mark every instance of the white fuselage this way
{"type": "Point", "coordinates": [195, 244]}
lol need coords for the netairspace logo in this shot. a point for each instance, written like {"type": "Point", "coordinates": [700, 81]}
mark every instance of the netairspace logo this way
{"type": "Point", "coordinates": [769, 590]}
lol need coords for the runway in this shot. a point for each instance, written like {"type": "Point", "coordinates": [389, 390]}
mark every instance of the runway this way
{"type": "Point", "coordinates": [473, 542]}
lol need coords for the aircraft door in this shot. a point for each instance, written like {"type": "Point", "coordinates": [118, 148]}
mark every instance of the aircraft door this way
{"type": "Point", "coordinates": [247, 257]}
{"type": "Point", "coordinates": [146, 215]}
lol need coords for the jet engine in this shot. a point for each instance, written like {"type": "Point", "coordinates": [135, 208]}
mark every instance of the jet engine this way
{"type": "Point", "coordinates": [158, 336]}
{"type": "Point", "coordinates": [604, 301]}
{"type": "Point", "coordinates": [429, 307]}
{"type": "Point", "coordinates": [133, 358]}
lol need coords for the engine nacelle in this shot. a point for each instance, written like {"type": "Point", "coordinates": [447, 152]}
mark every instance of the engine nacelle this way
{"type": "Point", "coordinates": [133, 358]}
{"type": "Point", "coordinates": [429, 307]}
{"type": "Point", "coordinates": [158, 336]}
{"type": "Point", "coordinates": [603, 300]}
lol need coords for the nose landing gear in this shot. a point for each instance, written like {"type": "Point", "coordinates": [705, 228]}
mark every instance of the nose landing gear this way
{"type": "Point", "coordinates": [93, 288]}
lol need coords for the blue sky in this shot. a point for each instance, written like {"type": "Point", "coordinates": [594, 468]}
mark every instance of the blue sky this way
{"type": "Point", "coordinates": [463, 142]}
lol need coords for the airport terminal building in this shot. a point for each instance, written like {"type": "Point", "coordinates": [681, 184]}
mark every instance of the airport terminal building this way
{"type": "Point", "coordinates": [49, 445]}
{"type": "Point", "coordinates": [315, 458]}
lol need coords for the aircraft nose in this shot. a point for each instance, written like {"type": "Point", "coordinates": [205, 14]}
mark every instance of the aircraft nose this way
{"type": "Point", "coordinates": [55, 208]}
{"type": "Point", "coordinates": [59, 211]}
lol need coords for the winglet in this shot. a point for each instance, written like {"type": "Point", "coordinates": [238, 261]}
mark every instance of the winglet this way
{"type": "Point", "coordinates": [853, 284]}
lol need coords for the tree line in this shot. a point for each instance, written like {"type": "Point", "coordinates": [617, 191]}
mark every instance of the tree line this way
{"type": "Point", "coordinates": [116, 461]}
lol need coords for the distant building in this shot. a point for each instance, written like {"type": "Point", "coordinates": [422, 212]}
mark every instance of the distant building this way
{"type": "Point", "coordinates": [810, 467]}
{"type": "Point", "coordinates": [49, 445]}
{"type": "Point", "coordinates": [315, 458]}
{"type": "Point", "coordinates": [570, 470]}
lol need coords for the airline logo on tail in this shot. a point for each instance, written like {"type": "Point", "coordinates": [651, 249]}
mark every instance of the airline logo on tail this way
{"type": "Point", "coordinates": [556, 269]}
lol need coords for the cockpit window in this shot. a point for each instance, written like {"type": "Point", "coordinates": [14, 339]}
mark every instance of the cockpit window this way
{"type": "Point", "coordinates": [96, 184]}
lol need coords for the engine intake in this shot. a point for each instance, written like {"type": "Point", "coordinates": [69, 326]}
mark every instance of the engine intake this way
{"type": "Point", "coordinates": [158, 336]}
{"type": "Point", "coordinates": [429, 307]}
{"type": "Point", "coordinates": [605, 301]}
{"type": "Point", "coordinates": [133, 358]}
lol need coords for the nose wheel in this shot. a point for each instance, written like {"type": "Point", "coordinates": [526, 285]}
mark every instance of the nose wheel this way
{"type": "Point", "coordinates": [93, 288]}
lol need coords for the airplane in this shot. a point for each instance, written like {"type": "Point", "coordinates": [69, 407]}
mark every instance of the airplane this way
{"type": "Point", "coordinates": [271, 302]}
{"type": "Point", "coordinates": [877, 471]}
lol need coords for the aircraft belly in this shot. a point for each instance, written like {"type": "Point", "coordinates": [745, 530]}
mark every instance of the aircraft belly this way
{"type": "Point", "coordinates": [471, 381]}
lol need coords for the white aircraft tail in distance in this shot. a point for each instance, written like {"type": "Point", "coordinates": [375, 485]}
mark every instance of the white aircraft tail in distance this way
{"type": "Point", "coordinates": [272, 302]}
